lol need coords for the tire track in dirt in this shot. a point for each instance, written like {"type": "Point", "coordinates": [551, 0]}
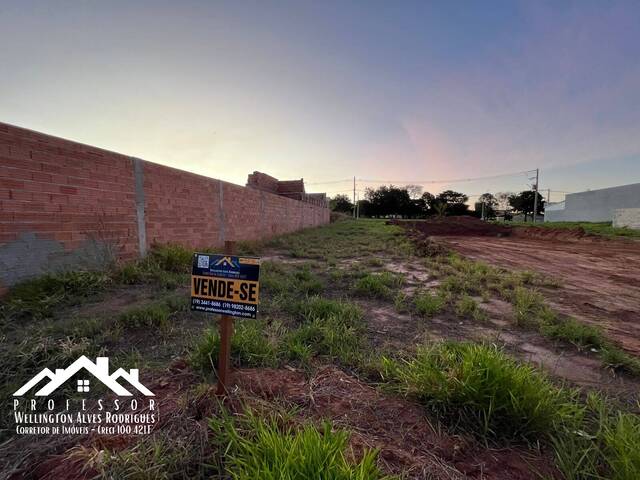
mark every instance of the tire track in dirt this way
{"type": "Point", "coordinates": [600, 281]}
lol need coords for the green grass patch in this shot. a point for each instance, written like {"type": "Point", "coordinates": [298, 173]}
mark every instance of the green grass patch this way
{"type": "Point", "coordinates": [268, 448]}
{"type": "Point", "coordinates": [37, 298]}
{"type": "Point", "coordinates": [250, 347]}
{"type": "Point", "coordinates": [153, 315]}
{"type": "Point", "coordinates": [466, 307]}
{"type": "Point", "coordinates": [378, 285]}
{"type": "Point", "coordinates": [486, 391]}
{"type": "Point", "coordinates": [428, 303]}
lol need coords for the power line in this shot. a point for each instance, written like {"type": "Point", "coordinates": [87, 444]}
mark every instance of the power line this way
{"type": "Point", "coordinates": [330, 182]}
{"type": "Point", "coordinates": [456, 180]}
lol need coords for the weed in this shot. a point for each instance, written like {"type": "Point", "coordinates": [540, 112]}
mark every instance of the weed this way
{"type": "Point", "coordinates": [374, 262]}
{"type": "Point", "coordinates": [153, 315]}
{"type": "Point", "coordinates": [570, 330]}
{"type": "Point", "coordinates": [266, 448]}
{"type": "Point", "coordinates": [249, 347]}
{"type": "Point", "coordinates": [318, 307]}
{"type": "Point", "coordinates": [36, 298]}
{"type": "Point", "coordinates": [490, 393]}
{"type": "Point", "coordinates": [428, 304]}
{"type": "Point", "coordinates": [618, 359]}
{"type": "Point", "coordinates": [158, 457]}
{"type": "Point", "coordinates": [621, 438]}
{"type": "Point", "coordinates": [331, 336]}
{"type": "Point", "coordinates": [528, 305]}
{"type": "Point", "coordinates": [172, 257]}
{"type": "Point", "coordinates": [378, 285]}
{"type": "Point", "coordinates": [401, 303]}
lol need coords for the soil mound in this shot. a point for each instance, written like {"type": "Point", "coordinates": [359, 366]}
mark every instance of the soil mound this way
{"type": "Point", "coordinates": [545, 233]}
{"type": "Point", "coordinates": [455, 226]}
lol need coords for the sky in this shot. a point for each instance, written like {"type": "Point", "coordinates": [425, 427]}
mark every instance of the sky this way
{"type": "Point", "coordinates": [327, 90]}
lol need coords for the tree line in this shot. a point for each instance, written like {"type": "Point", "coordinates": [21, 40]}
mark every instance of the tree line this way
{"type": "Point", "coordinates": [411, 202]}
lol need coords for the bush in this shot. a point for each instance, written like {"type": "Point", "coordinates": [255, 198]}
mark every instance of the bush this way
{"type": "Point", "coordinates": [488, 392]}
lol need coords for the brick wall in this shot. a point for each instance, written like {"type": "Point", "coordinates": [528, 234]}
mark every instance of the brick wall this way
{"type": "Point", "coordinates": [64, 204]}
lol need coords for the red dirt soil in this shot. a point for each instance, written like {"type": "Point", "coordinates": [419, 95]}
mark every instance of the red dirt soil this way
{"type": "Point", "coordinates": [600, 280]}
{"type": "Point", "coordinates": [454, 226]}
{"type": "Point", "coordinates": [406, 440]}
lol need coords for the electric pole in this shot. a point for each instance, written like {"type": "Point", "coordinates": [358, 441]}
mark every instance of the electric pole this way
{"type": "Point", "coordinates": [354, 197]}
{"type": "Point", "coordinates": [535, 197]}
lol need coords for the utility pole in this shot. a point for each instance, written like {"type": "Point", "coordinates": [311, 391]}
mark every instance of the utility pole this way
{"type": "Point", "coordinates": [483, 209]}
{"type": "Point", "coordinates": [358, 207]}
{"type": "Point", "coordinates": [548, 195]}
{"type": "Point", "coordinates": [354, 197]}
{"type": "Point", "coordinates": [535, 197]}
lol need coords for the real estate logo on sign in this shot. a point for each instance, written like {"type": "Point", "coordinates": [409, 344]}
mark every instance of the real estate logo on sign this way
{"type": "Point", "coordinates": [225, 284]}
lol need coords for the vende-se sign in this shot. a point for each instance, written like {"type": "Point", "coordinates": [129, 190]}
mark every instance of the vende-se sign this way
{"type": "Point", "coordinates": [225, 284]}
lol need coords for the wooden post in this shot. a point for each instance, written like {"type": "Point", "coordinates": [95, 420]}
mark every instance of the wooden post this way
{"type": "Point", "coordinates": [225, 326]}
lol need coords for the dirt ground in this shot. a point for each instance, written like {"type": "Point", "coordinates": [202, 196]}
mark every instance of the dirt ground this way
{"type": "Point", "coordinates": [600, 280]}
{"type": "Point", "coordinates": [599, 277]}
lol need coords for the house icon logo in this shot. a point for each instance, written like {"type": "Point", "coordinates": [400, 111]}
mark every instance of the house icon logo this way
{"type": "Point", "coordinates": [227, 262]}
{"type": "Point", "coordinates": [99, 369]}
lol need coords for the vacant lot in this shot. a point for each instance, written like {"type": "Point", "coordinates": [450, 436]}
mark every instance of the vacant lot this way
{"type": "Point", "coordinates": [600, 279]}
{"type": "Point", "coordinates": [377, 353]}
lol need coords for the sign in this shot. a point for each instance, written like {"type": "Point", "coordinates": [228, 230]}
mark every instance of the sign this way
{"type": "Point", "coordinates": [225, 284]}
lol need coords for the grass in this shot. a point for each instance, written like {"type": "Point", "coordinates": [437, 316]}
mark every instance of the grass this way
{"type": "Point", "coordinates": [249, 347]}
{"type": "Point", "coordinates": [604, 229]}
{"type": "Point", "coordinates": [37, 298]}
{"type": "Point", "coordinates": [160, 457]}
{"type": "Point", "coordinates": [153, 315]}
{"type": "Point", "coordinates": [378, 285]}
{"type": "Point", "coordinates": [428, 304]}
{"type": "Point", "coordinates": [466, 307]}
{"type": "Point", "coordinates": [483, 389]}
{"type": "Point", "coordinates": [268, 448]}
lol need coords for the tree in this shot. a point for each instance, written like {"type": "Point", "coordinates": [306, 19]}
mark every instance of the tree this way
{"type": "Point", "coordinates": [503, 200]}
{"type": "Point", "coordinates": [523, 202]}
{"type": "Point", "coordinates": [490, 203]}
{"type": "Point", "coordinates": [428, 204]}
{"type": "Point", "coordinates": [456, 202]}
{"type": "Point", "coordinates": [414, 191]}
{"type": "Point", "coordinates": [341, 203]}
{"type": "Point", "coordinates": [390, 200]}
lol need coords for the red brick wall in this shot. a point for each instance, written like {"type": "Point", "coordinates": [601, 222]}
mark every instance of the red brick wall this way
{"type": "Point", "coordinates": [62, 197]}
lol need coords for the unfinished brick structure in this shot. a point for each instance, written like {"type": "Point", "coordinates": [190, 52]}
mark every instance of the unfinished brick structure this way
{"type": "Point", "coordinates": [64, 204]}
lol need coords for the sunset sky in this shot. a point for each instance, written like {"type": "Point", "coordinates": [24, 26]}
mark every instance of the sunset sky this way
{"type": "Point", "coordinates": [392, 91]}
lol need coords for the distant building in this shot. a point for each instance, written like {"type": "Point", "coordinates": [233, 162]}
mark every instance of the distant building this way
{"type": "Point", "coordinates": [287, 188]}
{"type": "Point", "coordinates": [594, 205]}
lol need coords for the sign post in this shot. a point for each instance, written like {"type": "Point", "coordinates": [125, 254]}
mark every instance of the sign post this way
{"type": "Point", "coordinates": [227, 285]}
{"type": "Point", "coordinates": [225, 327]}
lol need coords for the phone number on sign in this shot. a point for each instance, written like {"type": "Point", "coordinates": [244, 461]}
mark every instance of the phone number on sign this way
{"type": "Point", "coordinates": [223, 305]}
